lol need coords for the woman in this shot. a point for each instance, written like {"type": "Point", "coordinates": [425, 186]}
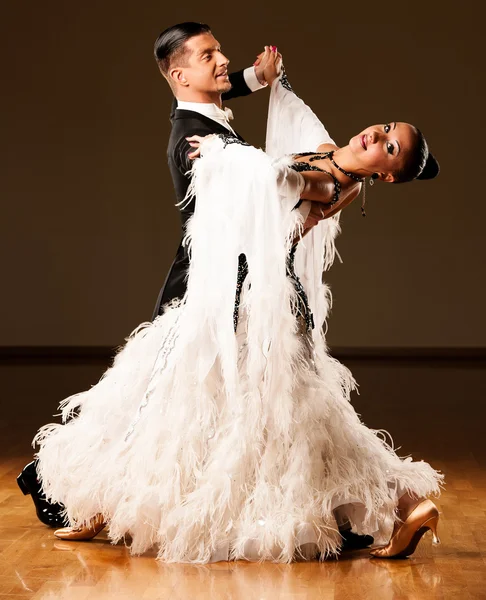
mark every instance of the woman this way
{"type": "Point", "coordinates": [223, 430]}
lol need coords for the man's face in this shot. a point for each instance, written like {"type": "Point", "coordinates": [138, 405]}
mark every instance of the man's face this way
{"type": "Point", "coordinates": [206, 69]}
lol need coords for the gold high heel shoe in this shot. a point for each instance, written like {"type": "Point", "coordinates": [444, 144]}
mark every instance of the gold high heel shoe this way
{"type": "Point", "coordinates": [85, 532]}
{"type": "Point", "coordinates": [423, 517]}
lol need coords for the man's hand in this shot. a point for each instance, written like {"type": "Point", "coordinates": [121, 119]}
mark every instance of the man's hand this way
{"type": "Point", "coordinates": [268, 64]}
{"type": "Point", "coordinates": [195, 141]}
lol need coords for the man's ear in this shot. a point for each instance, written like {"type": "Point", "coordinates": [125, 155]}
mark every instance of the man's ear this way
{"type": "Point", "coordinates": [387, 177]}
{"type": "Point", "coordinates": [176, 75]}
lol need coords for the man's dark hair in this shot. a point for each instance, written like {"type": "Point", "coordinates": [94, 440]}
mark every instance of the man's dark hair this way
{"type": "Point", "coordinates": [170, 47]}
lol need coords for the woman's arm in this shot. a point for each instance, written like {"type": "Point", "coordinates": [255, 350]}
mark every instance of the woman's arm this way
{"type": "Point", "coordinates": [320, 211]}
{"type": "Point", "coordinates": [319, 187]}
{"type": "Point", "coordinates": [343, 202]}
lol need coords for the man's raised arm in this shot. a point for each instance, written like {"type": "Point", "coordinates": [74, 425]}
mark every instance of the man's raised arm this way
{"type": "Point", "coordinates": [256, 77]}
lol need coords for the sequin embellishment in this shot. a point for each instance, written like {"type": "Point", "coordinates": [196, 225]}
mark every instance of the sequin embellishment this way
{"type": "Point", "coordinates": [284, 80]}
{"type": "Point", "coordinates": [242, 273]}
{"type": "Point", "coordinates": [302, 307]}
{"type": "Point", "coordinates": [229, 138]}
{"type": "Point", "coordinates": [162, 357]}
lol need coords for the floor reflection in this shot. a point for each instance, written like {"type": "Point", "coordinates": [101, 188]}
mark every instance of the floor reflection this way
{"type": "Point", "coordinates": [353, 575]}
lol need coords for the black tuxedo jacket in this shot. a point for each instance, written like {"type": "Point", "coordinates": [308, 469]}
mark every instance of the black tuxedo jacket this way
{"type": "Point", "coordinates": [184, 124]}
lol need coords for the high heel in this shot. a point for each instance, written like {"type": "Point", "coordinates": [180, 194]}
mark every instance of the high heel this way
{"type": "Point", "coordinates": [82, 533]}
{"type": "Point", "coordinates": [423, 517]}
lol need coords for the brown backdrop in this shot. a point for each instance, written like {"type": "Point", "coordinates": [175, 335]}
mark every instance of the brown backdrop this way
{"type": "Point", "coordinates": [89, 228]}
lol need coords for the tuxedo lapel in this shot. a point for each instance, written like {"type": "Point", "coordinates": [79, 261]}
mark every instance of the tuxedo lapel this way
{"type": "Point", "coordinates": [182, 114]}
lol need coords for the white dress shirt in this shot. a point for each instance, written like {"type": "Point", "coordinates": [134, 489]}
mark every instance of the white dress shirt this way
{"type": "Point", "coordinates": [210, 110]}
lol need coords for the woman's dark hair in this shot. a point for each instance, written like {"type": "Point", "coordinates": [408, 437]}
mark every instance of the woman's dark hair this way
{"type": "Point", "coordinates": [170, 45]}
{"type": "Point", "coordinates": [421, 163]}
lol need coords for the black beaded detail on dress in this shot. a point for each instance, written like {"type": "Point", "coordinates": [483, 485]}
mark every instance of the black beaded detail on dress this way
{"type": "Point", "coordinates": [303, 307]}
{"type": "Point", "coordinates": [309, 154]}
{"type": "Point", "coordinates": [284, 81]}
{"type": "Point", "coordinates": [305, 166]}
{"type": "Point", "coordinates": [303, 301]}
{"type": "Point", "coordinates": [330, 154]}
{"type": "Point", "coordinates": [242, 273]}
{"type": "Point", "coordinates": [229, 138]}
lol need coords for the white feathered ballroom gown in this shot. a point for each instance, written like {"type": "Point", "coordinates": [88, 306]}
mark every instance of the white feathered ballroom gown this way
{"type": "Point", "coordinates": [214, 446]}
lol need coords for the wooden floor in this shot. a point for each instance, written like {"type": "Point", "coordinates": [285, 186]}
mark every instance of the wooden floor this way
{"type": "Point", "coordinates": [404, 398]}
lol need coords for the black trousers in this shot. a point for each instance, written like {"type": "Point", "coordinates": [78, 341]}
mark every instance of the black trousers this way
{"type": "Point", "coordinates": [175, 283]}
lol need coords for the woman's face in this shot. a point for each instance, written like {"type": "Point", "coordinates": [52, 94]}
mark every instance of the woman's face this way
{"type": "Point", "coordinates": [384, 148]}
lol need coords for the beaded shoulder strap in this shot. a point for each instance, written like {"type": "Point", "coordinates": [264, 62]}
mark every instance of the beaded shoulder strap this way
{"type": "Point", "coordinates": [329, 154]}
{"type": "Point", "coordinates": [305, 166]}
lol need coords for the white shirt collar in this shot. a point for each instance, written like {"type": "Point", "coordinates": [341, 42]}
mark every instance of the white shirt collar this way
{"type": "Point", "coordinates": [209, 110]}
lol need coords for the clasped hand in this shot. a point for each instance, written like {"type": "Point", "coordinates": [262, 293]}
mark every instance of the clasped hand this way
{"type": "Point", "coordinates": [268, 65]}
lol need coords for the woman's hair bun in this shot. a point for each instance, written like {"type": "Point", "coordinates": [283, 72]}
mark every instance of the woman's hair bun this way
{"type": "Point", "coordinates": [431, 168]}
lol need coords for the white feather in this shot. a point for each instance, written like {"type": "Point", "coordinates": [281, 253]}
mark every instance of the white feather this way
{"type": "Point", "coordinates": [211, 445]}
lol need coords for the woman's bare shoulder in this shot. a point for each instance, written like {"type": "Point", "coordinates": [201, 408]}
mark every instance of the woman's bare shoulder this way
{"type": "Point", "coordinates": [327, 147]}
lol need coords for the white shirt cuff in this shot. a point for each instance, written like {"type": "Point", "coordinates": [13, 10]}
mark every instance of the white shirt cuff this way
{"type": "Point", "coordinates": [251, 79]}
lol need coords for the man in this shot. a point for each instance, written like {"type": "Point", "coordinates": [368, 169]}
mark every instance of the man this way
{"type": "Point", "coordinates": [190, 59]}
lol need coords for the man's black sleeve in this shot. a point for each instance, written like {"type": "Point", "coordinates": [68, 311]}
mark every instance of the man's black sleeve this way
{"type": "Point", "coordinates": [239, 87]}
{"type": "Point", "coordinates": [183, 148]}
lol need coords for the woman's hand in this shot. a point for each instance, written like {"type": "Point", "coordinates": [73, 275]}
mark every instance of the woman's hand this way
{"type": "Point", "coordinates": [268, 65]}
{"type": "Point", "coordinates": [195, 141]}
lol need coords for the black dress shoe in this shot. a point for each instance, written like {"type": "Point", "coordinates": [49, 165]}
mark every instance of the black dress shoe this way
{"type": "Point", "coordinates": [353, 541]}
{"type": "Point", "coordinates": [47, 512]}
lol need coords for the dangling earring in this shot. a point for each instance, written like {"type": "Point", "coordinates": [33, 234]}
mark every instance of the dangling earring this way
{"type": "Point", "coordinates": [363, 201]}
